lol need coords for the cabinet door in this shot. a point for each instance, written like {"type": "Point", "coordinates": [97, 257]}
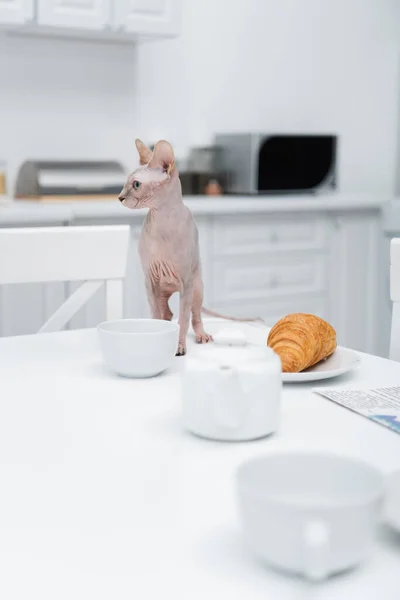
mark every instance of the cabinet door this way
{"type": "Point", "coordinates": [16, 11]}
{"type": "Point", "coordinates": [272, 310]}
{"type": "Point", "coordinates": [355, 277]}
{"type": "Point", "coordinates": [159, 17]}
{"type": "Point", "coordinates": [86, 14]}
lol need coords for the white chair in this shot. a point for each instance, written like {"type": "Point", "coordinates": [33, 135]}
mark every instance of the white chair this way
{"type": "Point", "coordinates": [94, 255]}
{"type": "Point", "coordinates": [394, 352]}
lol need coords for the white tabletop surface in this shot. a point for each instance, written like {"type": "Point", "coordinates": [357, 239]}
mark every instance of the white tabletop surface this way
{"type": "Point", "coordinates": [104, 496]}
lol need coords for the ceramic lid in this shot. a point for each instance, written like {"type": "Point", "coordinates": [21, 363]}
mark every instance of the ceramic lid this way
{"type": "Point", "coordinates": [234, 355]}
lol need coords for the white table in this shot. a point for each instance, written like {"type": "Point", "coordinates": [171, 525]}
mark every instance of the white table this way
{"type": "Point", "coordinates": [103, 496]}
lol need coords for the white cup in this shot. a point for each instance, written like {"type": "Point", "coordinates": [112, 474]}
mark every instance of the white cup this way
{"type": "Point", "coordinates": [232, 393]}
{"type": "Point", "coordinates": [138, 347]}
{"type": "Point", "coordinates": [310, 513]}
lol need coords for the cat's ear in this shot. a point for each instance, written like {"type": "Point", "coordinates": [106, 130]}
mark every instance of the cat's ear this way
{"type": "Point", "coordinates": [145, 153]}
{"type": "Point", "coordinates": [163, 157]}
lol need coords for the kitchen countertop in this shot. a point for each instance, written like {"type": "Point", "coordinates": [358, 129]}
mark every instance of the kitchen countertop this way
{"type": "Point", "coordinates": [30, 212]}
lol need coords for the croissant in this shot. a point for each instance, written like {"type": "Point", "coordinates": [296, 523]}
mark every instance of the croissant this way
{"type": "Point", "coordinates": [301, 341]}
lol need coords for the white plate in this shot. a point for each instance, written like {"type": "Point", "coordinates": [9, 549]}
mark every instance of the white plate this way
{"type": "Point", "coordinates": [341, 361]}
{"type": "Point", "coordinates": [392, 507]}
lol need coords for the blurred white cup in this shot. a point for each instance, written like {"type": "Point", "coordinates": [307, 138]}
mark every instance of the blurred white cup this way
{"type": "Point", "coordinates": [311, 513]}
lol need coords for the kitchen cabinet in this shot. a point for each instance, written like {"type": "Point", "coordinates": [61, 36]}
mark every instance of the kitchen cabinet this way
{"type": "Point", "coordinates": [147, 16]}
{"type": "Point", "coordinates": [254, 235]}
{"type": "Point", "coordinates": [107, 20]}
{"type": "Point", "coordinates": [354, 267]}
{"type": "Point", "coordinates": [263, 265]}
{"type": "Point", "coordinates": [16, 11]}
{"type": "Point", "coordinates": [259, 264]}
{"type": "Point", "coordinates": [273, 309]}
{"type": "Point", "coordinates": [80, 14]}
{"type": "Point", "coordinates": [326, 264]}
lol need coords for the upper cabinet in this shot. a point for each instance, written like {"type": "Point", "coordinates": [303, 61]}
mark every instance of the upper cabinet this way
{"type": "Point", "coordinates": [16, 11]}
{"type": "Point", "coordinates": [157, 17]}
{"type": "Point", "coordinates": [82, 14]}
{"type": "Point", "coordinates": [118, 20]}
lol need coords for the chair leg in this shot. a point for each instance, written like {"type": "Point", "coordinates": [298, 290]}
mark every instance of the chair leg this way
{"type": "Point", "coordinates": [71, 306]}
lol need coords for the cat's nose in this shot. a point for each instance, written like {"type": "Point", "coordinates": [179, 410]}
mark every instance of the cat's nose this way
{"type": "Point", "coordinates": [121, 198]}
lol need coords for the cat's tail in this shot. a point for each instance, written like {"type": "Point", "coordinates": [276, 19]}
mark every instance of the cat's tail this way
{"type": "Point", "coordinates": [211, 313]}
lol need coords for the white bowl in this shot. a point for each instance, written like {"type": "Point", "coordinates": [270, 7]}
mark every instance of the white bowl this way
{"type": "Point", "coordinates": [138, 347]}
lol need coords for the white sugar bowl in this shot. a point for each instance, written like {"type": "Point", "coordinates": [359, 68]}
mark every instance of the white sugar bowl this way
{"type": "Point", "coordinates": [232, 392]}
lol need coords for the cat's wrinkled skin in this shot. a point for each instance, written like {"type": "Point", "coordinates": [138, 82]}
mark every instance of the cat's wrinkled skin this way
{"type": "Point", "coordinates": [168, 246]}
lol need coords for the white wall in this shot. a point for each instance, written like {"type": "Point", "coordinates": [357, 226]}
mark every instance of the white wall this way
{"type": "Point", "coordinates": [280, 65]}
{"type": "Point", "coordinates": [272, 65]}
{"type": "Point", "coordinates": [65, 99]}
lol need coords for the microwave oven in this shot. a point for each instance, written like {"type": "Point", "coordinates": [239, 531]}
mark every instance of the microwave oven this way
{"type": "Point", "coordinates": [273, 163]}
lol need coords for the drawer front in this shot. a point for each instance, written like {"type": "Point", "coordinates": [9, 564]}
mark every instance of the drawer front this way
{"type": "Point", "coordinates": [260, 234]}
{"type": "Point", "coordinates": [250, 279]}
{"type": "Point", "coordinates": [272, 311]}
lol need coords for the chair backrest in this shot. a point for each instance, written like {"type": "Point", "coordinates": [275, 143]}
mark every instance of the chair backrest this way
{"type": "Point", "coordinates": [94, 255]}
{"type": "Point", "coordinates": [394, 352]}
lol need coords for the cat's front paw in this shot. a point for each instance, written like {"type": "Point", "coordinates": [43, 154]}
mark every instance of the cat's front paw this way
{"type": "Point", "coordinates": [181, 349]}
{"type": "Point", "coordinates": [203, 338]}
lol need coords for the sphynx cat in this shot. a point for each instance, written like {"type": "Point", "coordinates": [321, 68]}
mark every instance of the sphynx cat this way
{"type": "Point", "coordinates": [168, 245]}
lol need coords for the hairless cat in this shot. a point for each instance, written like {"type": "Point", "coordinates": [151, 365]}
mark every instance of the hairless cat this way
{"type": "Point", "coordinates": [168, 246]}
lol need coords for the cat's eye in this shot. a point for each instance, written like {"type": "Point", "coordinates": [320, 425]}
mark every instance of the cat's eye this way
{"type": "Point", "coordinates": [136, 184]}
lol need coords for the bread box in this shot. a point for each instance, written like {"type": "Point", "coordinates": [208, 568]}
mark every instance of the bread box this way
{"type": "Point", "coordinates": [69, 180]}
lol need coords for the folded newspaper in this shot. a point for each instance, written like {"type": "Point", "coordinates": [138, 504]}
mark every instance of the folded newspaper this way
{"type": "Point", "coordinates": [381, 405]}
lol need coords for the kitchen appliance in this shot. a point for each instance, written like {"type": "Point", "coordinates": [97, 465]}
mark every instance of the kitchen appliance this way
{"type": "Point", "coordinates": [199, 174]}
{"type": "Point", "coordinates": [277, 163]}
{"type": "Point", "coordinates": [194, 184]}
{"type": "Point", "coordinates": [203, 159]}
{"type": "Point", "coordinates": [69, 180]}
{"type": "Point", "coordinates": [3, 183]}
